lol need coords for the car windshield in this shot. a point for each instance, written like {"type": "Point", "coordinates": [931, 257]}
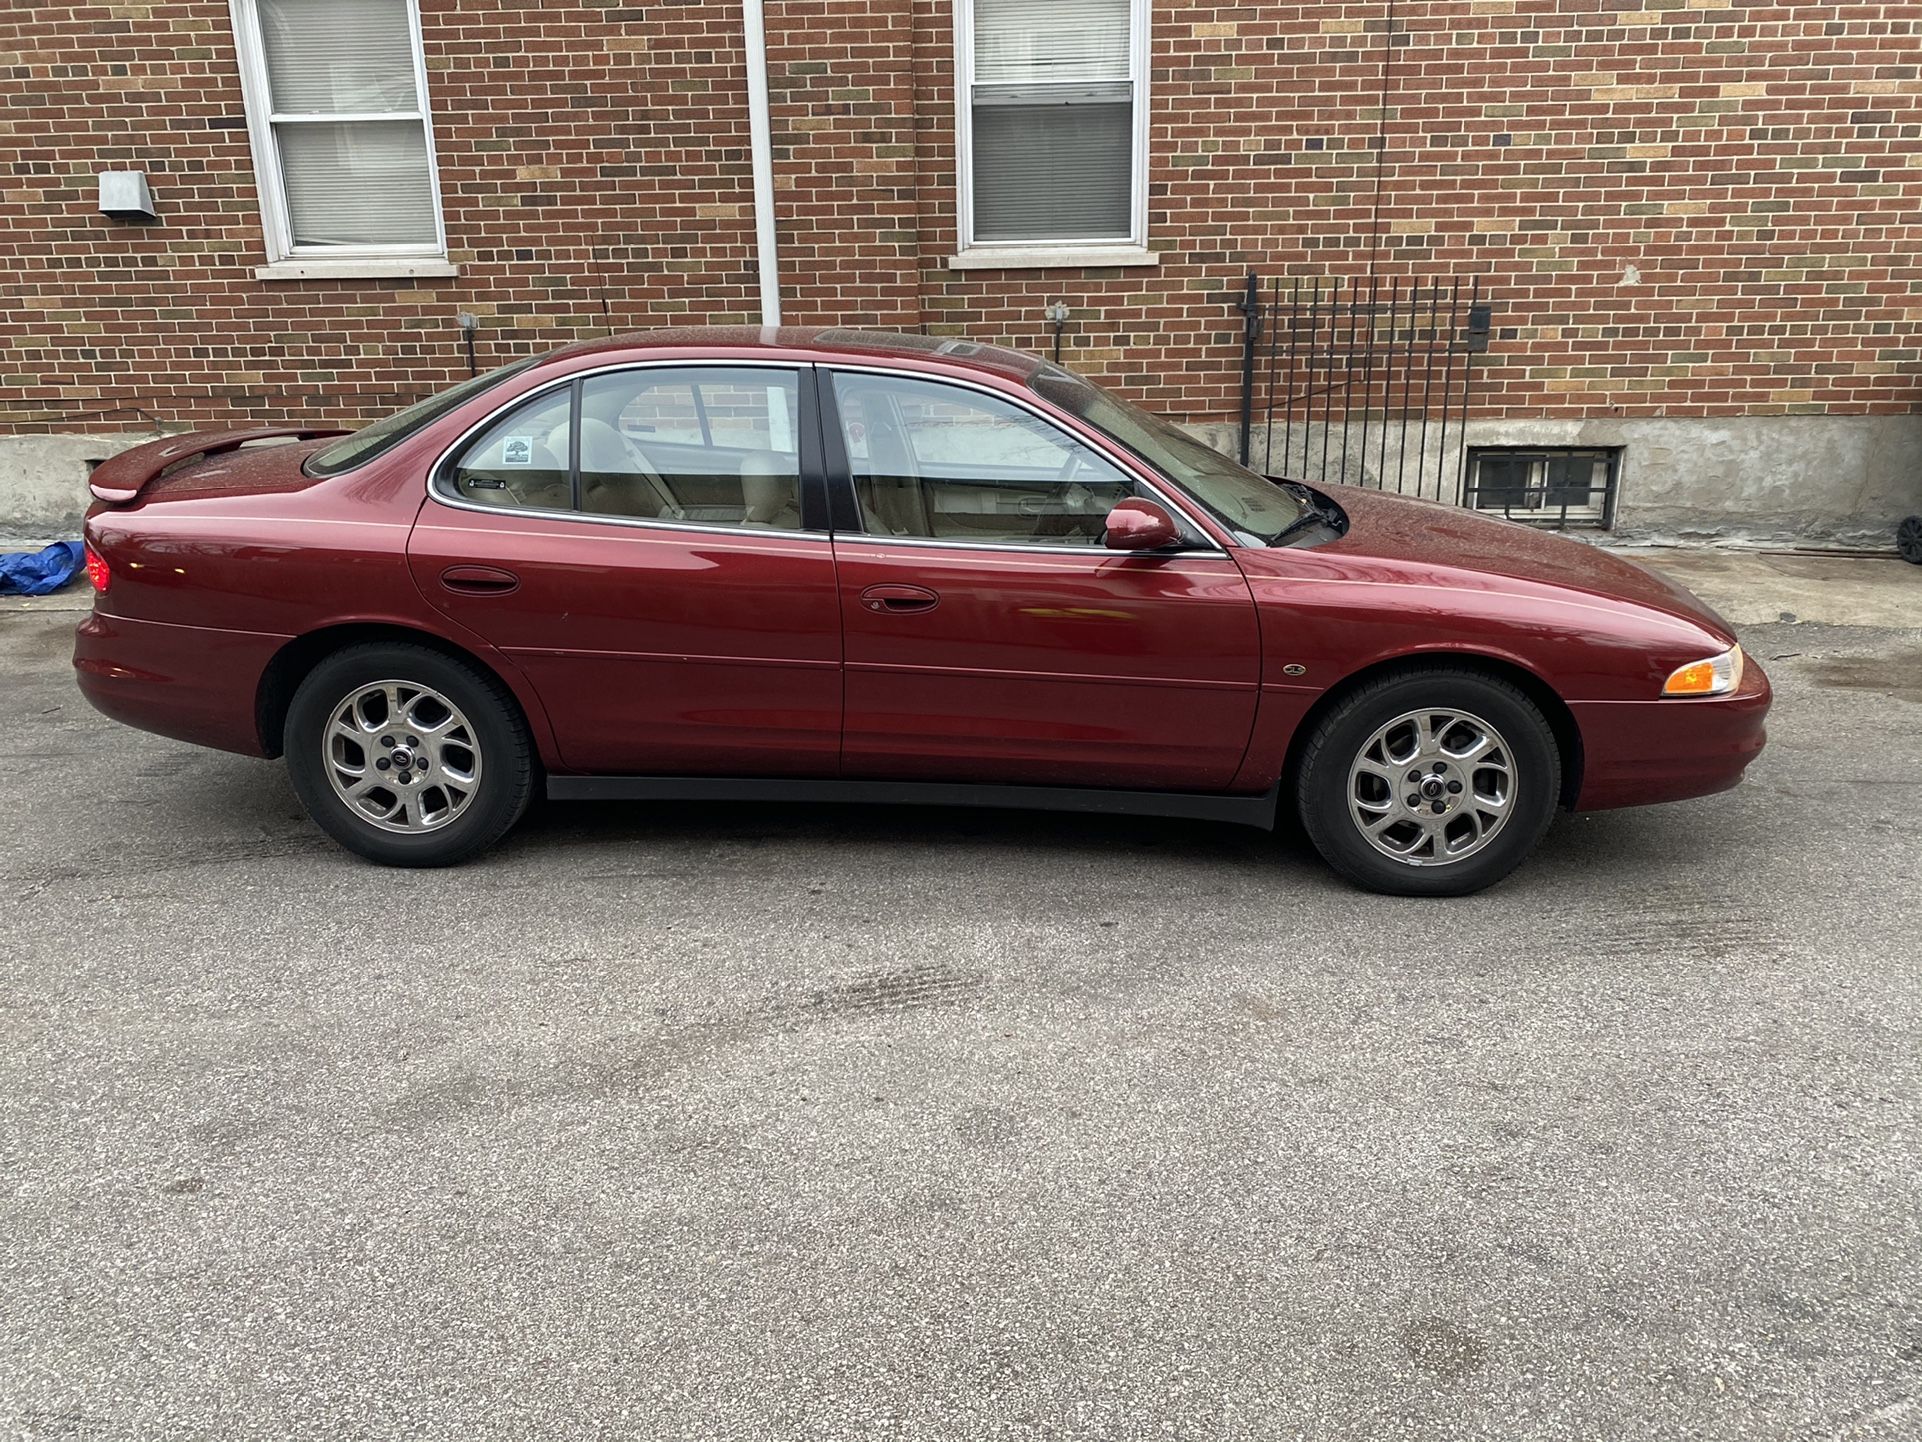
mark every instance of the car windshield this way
{"type": "Point", "coordinates": [1257, 510]}
{"type": "Point", "coordinates": [370, 440]}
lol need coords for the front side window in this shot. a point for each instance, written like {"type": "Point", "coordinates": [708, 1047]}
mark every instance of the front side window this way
{"type": "Point", "coordinates": [336, 94]}
{"type": "Point", "coordinates": [1256, 509]}
{"type": "Point", "coordinates": [707, 445]}
{"type": "Point", "coordinates": [1053, 145]}
{"type": "Point", "coordinates": [936, 462]}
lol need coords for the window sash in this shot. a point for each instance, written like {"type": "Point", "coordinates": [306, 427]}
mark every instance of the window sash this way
{"type": "Point", "coordinates": [970, 94]}
{"type": "Point", "coordinates": [264, 123]}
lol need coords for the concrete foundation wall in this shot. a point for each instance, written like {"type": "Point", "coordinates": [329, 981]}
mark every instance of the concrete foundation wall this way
{"type": "Point", "coordinates": [43, 481]}
{"type": "Point", "coordinates": [1817, 481]}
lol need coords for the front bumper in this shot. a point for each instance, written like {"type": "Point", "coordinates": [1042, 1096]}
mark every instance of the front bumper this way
{"type": "Point", "coordinates": [1635, 753]}
{"type": "Point", "coordinates": [188, 682]}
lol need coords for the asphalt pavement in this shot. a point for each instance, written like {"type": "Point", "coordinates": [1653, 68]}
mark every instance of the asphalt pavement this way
{"type": "Point", "coordinates": [759, 1122]}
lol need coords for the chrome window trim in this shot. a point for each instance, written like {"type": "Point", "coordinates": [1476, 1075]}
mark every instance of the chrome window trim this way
{"type": "Point", "coordinates": [1121, 459]}
{"type": "Point", "coordinates": [459, 443]}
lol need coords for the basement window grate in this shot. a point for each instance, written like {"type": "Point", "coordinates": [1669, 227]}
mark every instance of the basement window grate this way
{"type": "Point", "coordinates": [1556, 486]}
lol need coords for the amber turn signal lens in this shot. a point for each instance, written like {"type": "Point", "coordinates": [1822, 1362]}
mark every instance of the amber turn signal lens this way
{"type": "Point", "coordinates": [1696, 680]}
{"type": "Point", "coordinates": [1716, 676]}
{"type": "Point", "coordinates": [97, 571]}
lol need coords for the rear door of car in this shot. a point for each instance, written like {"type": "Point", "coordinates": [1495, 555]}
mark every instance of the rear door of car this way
{"type": "Point", "coordinates": [990, 636]}
{"type": "Point", "coordinates": [650, 545]}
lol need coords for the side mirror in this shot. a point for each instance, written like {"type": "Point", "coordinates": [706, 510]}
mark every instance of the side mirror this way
{"type": "Point", "coordinates": [1138, 525]}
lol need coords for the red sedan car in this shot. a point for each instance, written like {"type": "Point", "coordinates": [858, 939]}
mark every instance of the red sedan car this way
{"type": "Point", "coordinates": [830, 566]}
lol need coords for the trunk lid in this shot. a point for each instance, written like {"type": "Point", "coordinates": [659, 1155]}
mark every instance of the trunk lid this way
{"type": "Point", "coordinates": [209, 462]}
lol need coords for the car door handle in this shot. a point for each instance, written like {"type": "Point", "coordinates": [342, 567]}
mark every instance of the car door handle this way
{"type": "Point", "coordinates": [479, 580]}
{"type": "Point", "coordinates": [898, 600]}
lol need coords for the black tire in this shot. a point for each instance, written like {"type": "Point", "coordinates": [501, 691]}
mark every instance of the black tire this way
{"type": "Point", "coordinates": [505, 780]}
{"type": "Point", "coordinates": [1908, 540]}
{"type": "Point", "coordinates": [1323, 779]}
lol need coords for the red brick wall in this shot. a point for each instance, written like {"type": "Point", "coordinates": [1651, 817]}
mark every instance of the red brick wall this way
{"type": "Point", "coordinates": [1690, 209]}
{"type": "Point", "coordinates": [583, 150]}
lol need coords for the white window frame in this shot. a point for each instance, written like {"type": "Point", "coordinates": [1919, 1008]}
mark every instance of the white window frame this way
{"type": "Point", "coordinates": [1131, 249]}
{"type": "Point", "coordinates": [285, 259]}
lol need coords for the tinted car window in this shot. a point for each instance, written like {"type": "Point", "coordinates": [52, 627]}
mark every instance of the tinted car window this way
{"type": "Point", "coordinates": [714, 445]}
{"type": "Point", "coordinates": [370, 440]}
{"type": "Point", "coordinates": [945, 463]}
{"type": "Point", "coordinates": [1255, 508]}
{"type": "Point", "coordinates": [521, 459]}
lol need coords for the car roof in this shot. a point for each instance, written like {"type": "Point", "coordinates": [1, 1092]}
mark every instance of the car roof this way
{"type": "Point", "coordinates": [815, 343]}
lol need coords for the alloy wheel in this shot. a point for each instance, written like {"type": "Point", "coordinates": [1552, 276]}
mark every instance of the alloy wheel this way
{"type": "Point", "coordinates": [401, 756]}
{"type": "Point", "coordinates": [1432, 787]}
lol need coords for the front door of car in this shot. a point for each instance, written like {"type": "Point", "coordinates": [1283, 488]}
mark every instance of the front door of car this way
{"type": "Point", "coordinates": [641, 544]}
{"type": "Point", "coordinates": [990, 635]}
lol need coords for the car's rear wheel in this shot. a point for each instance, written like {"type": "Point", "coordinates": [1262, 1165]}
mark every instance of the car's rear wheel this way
{"type": "Point", "coordinates": [1434, 781]}
{"type": "Point", "coordinates": [408, 756]}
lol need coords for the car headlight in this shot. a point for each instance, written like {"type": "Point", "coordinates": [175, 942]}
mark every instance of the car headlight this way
{"type": "Point", "coordinates": [1717, 676]}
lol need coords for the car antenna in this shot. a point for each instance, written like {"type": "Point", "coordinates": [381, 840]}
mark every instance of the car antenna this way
{"type": "Point", "coordinates": [600, 293]}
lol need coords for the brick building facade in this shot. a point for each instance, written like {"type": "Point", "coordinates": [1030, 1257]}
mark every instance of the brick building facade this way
{"type": "Point", "coordinates": [1698, 220]}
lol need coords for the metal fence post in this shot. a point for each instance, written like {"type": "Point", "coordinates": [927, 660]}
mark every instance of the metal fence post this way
{"type": "Point", "coordinates": [1250, 337]}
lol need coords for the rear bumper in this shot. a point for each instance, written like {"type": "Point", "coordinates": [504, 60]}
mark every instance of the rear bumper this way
{"type": "Point", "coordinates": [1639, 752]}
{"type": "Point", "coordinates": [188, 682]}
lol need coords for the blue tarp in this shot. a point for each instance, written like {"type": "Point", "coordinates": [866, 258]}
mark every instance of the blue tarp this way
{"type": "Point", "coordinates": [39, 573]}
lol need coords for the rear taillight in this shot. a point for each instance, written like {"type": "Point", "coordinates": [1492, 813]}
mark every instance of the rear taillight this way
{"type": "Point", "coordinates": [97, 571]}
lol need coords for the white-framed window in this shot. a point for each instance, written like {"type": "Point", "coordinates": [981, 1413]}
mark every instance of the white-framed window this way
{"type": "Point", "coordinates": [1052, 131]}
{"type": "Point", "coordinates": [336, 96]}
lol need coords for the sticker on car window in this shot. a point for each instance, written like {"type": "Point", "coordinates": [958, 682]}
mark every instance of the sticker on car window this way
{"type": "Point", "coordinates": [517, 451]}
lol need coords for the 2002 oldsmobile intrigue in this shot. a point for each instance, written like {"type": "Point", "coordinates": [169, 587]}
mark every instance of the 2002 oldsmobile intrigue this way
{"type": "Point", "coordinates": [827, 565]}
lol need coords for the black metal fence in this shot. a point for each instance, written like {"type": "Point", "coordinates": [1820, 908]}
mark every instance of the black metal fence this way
{"type": "Point", "coordinates": [1361, 382]}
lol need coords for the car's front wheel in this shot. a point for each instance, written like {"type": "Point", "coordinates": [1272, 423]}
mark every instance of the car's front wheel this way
{"type": "Point", "coordinates": [408, 756]}
{"type": "Point", "coordinates": [1433, 781]}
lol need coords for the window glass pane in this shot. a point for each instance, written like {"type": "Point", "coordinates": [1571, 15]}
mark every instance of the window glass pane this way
{"type": "Point", "coordinates": [1570, 479]}
{"type": "Point", "coordinates": [663, 412]}
{"type": "Point", "coordinates": [336, 57]}
{"type": "Point", "coordinates": [1053, 172]}
{"type": "Point", "coordinates": [520, 460]}
{"type": "Point", "coordinates": [1255, 507]}
{"type": "Point", "coordinates": [710, 444]}
{"type": "Point", "coordinates": [370, 440]}
{"type": "Point", "coordinates": [1020, 41]}
{"type": "Point", "coordinates": [1502, 482]}
{"type": "Point", "coordinates": [939, 462]}
{"type": "Point", "coordinates": [357, 183]}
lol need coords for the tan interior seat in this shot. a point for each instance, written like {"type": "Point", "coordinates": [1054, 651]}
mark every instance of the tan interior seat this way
{"type": "Point", "coordinates": [887, 486]}
{"type": "Point", "coordinates": [770, 492]}
{"type": "Point", "coordinates": [616, 478]}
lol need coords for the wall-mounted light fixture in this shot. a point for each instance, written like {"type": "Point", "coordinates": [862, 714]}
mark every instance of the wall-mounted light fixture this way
{"type": "Point", "coordinates": [1057, 315]}
{"type": "Point", "coordinates": [469, 323]}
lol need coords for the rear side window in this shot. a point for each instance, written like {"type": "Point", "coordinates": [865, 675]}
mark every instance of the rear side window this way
{"type": "Point", "coordinates": [521, 459]}
{"type": "Point", "coordinates": [706, 445]}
